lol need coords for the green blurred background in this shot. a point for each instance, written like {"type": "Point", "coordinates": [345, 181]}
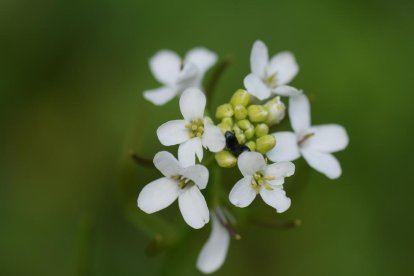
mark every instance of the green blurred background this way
{"type": "Point", "coordinates": [72, 75]}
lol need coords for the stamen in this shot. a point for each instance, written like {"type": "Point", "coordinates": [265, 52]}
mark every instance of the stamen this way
{"type": "Point", "coordinates": [305, 137]}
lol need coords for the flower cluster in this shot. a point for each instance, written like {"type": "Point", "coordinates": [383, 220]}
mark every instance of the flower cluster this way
{"type": "Point", "coordinates": [242, 136]}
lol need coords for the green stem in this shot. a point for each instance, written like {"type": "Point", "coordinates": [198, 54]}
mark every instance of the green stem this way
{"type": "Point", "coordinates": [141, 160]}
{"type": "Point", "coordinates": [215, 76]}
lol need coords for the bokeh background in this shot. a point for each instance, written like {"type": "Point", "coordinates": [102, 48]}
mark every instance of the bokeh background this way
{"type": "Point", "coordinates": [72, 75]}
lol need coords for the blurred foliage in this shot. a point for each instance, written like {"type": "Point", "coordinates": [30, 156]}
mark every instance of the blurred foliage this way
{"type": "Point", "coordinates": [72, 75]}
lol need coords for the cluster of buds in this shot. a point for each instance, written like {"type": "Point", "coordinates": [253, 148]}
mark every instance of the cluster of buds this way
{"type": "Point", "coordinates": [249, 123]}
{"type": "Point", "coordinates": [241, 137]}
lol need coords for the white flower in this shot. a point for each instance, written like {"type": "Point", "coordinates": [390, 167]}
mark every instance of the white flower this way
{"type": "Point", "coordinates": [176, 75]}
{"type": "Point", "coordinates": [261, 178]}
{"type": "Point", "coordinates": [314, 143]}
{"type": "Point", "coordinates": [214, 251]}
{"type": "Point", "coordinates": [194, 131]}
{"type": "Point", "coordinates": [269, 77]}
{"type": "Point", "coordinates": [179, 182]}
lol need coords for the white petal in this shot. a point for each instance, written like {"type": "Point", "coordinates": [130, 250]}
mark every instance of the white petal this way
{"type": "Point", "coordinates": [286, 90]}
{"type": "Point", "coordinates": [173, 133]}
{"type": "Point", "coordinates": [198, 174]}
{"type": "Point", "coordinates": [202, 58]}
{"type": "Point", "coordinates": [213, 138]}
{"type": "Point", "coordinates": [259, 58]}
{"type": "Point", "coordinates": [328, 138]}
{"type": "Point", "coordinates": [166, 163]}
{"type": "Point", "coordinates": [188, 151]}
{"type": "Point", "coordinates": [286, 148]}
{"type": "Point", "coordinates": [188, 77]}
{"type": "Point", "coordinates": [192, 104]}
{"type": "Point", "coordinates": [242, 193]}
{"type": "Point", "coordinates": [255, 86]}
{"type": "Point", "coordinates": [158, 195]}
{"type": "Point", "coordinates": [299, 113]}
{"type": "Point", "coordinates": [250, 162]}
{"type": "Point", "coordinates": [323, 162]}
{"type": "Point", "coordinates": [285, 66]}
{"type": "Point", "coordinates": [276, 198]}
{"type": "Point", "coordinates": [160, 96]}
{"type": "Point", "coordinates": [214, 251]}
{"type": "Point", "coordinates": [280, 170]}
{"type": "Point", "coordinates": [193, 207]}
{"type": "Point", "coordinates": [165, 65]}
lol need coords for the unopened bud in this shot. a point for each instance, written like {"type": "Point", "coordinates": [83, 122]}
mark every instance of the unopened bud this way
{"type": "Point", "coordinates": [240, 97]}
{"type": "Point", "coordinates": [261, 130]}
{"type": "Point", "coordinates": [241, 138]}
{"type": "Point", "coordinates": [224, 110]}
{"type": "Point", "coordinates": [251, 145]}
{"type": "Point", "coordinates": [240, 112]}
{"type": "Point", "coordinates": [249, 133]}
{"type": "Point", "coordinates": [244, 124]}
{"type": "Point", "coordinates": [277, 111]}
{"type": "Point", "coordinates": [228, 121]}
{"type": "Point", "coordinates": [224, 127]}
{"type": "Point", "coordinates": [265, 143]}
{"type": "Point", "coordinates": [237, 130]}
{"type": "Point", "coordinates": [257, 113]}
{"type": "Point", "coordinates": [225, 159]}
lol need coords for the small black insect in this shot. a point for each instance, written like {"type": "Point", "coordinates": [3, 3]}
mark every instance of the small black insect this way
{"type": "Point", "coordinates": [233, 145]}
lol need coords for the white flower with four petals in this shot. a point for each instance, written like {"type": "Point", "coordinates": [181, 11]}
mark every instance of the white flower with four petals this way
{"type": "Point", "coordinates": [194, 132]}
{"type": "Point", "coordinates": [269, 77]}
{"type": "Point", "coordinates": [179, 182]}
{"type": "Point", "coordinates": [259, 178]}
{"type": "Point", "coordinates": [314, 143]}
{"type": "Point", "coordinates": [176, 74]}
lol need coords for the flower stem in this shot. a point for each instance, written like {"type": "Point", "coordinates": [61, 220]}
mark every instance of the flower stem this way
{"type": "Point", "coordinates": [141, 160]}
{"type": "Point", "coordinates": [215, 76]}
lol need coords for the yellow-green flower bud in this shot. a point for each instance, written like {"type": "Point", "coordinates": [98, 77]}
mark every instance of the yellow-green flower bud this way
{"type": "Point", "coordinates": [244, 124]}
{"type": "Point", "coordinates": [240, 112]}
{"type": "Point", "coordinates": [225, 159]}
{"type": "Point", "coordinates": [224, 127]}
{"type": "Point", "coordinates": [277, 111]}
{"type": "Point", "coordinates": [228, 121]}
{"type": "Point", "coordinates": [251, 145]}
{"type": "Point", "coordinates": [249, 133]}
{"type": "Point", "coordinates": [241, 138]}
{"type": "Point", "coordinates": [237, 130]}
{"type": "Point", "coordinates": [224, 110]}
{"type": "Point", "coordinates": [257, 113]}
{"type": "Point", "coordinates": [240, 97]}
{"type": "Point", "coordinates": [265, 143]}
{"type": "Point", "coordinates": [261, 130]}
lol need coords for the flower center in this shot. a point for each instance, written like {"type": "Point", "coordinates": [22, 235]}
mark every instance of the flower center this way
{"type": "Point", "coordinates": [271, 80]}
{"type": "Point", "coordinates": [305, 137]}
{"type": "Point", "coordinates": [196, 128]}
{"type": "Point", "coordinates": [259, 179]}
{"type": "Point", "coordinates": [182, 181]}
